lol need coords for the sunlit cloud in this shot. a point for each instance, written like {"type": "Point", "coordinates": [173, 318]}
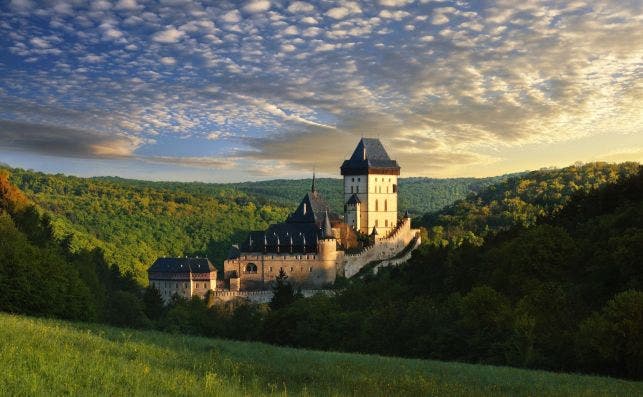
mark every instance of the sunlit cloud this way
{"type": "Point", "coordinates": [448, 86]}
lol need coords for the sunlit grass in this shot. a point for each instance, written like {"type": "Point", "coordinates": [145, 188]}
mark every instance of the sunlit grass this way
{"type": "Point", "coordinates": [48, 357]}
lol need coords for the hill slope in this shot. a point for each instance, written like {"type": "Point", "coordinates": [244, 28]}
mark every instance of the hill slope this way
{"type": "Point", "coordinates": [44, 357]}
{"type": "Point", "coordinates": [519, 201]}
{"type": "Point", "coordinates": [134, 221]}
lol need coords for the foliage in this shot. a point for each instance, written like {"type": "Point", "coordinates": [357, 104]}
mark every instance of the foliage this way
{"type": "Point", "coordinates": [519, 200]}
{"type": "Point", "coordinates": [283, 292]}
{"type": "Point", "coordinates": [45, 357]}
{"type": "Point", "coordinates": [135, 222]}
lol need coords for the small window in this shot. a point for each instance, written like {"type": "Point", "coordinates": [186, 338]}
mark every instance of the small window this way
{"type": "Point", "coordinates": [394, 188]}
{"type": "Point", "coordinates": [376, 223]}
{"type": "Point", "coordinates": [292, 269]}
{"type": "Point", "coordinates": [386, 222]}
{"type": "Point", "coordinates": [251, 268]}
{"type": "Point", "coordinates": [358, 179]}
{"type": "Point", "coordinates": [271, 268]}
{"type": "Point", "coordinates": [357, 189]}
{"type": "Point", "coordinates": [310, 269]}
{"type": "Point", "coordinates": [352, 189]}
{"type": "Point", "coordinates": [389, 179]}
{"type": "Point", "coordinates": [352, 179]}
{"type": "Point", "coordinates": [375, 179]}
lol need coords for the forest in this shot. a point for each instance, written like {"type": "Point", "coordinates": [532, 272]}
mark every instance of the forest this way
{"type": "Point", "coordinates": [554, 283]}
{"type": "Point", "coordinates": [133, 222]}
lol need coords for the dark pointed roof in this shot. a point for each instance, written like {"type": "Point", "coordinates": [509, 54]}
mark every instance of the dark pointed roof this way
{"type": "Point", "coordinates": [311, 210]}
{"type": "Point", "coordinates": [370, 156]}
{"type": "Point", "coordinates": [303, 227]}
{"type": "Point", "coordinates": [353, 199]}
{"type": "Point", "coordinates": [182, 265]}
{"type": "Point", "coordinates": [327, 229]}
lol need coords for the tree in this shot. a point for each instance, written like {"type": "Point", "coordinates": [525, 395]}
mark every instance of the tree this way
{"type": "Point", "coordinates": [153, 303]}
{"type": "Point", "coordinates": [283, 292]}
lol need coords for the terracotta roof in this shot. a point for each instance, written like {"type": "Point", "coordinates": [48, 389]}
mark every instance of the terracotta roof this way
{"type": "Point", "coordinates": [182, 265]}
{"type": "Point", "coordinates": [369, 155]}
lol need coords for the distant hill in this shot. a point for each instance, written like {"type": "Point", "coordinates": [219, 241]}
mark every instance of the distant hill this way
{"type": "Point", "coordinates": [519, 200]}
{"type": "Point", "coordinates": [135, 221]}
{"type": "Point", "coordinates": [417, 195]}
{"type": "Point", "coordinates": [47, 357]}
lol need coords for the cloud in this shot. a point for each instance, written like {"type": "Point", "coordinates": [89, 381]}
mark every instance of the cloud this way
{"type": "Point", "coordinates": [168, 36]}
{"type": "Point", "coordinates": [232, 16]}
{"type": "Point", "coordinates": [187, 161]}
{"type": "Point", "coordinates": [300, 7]}
{"type": "Point", "coordinates": [346, 9]}
{"type": "Point", "coordinates": [395, 3]}
{"type": "Point", "coordinates": [255, 6]}
{"type": "Point", "coordinates": [126, 5]}
{"type": "Point", "coordinates": [65, 142]}
{"type": "Point", "coordinates": [168, 61]}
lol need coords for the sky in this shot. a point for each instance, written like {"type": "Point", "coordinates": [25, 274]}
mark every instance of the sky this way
{"type": "Point", "coordinates": [223, 91]}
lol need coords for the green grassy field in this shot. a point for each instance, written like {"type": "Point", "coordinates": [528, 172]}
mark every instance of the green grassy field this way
{"type": "Point", "coordinates": [48, 357]}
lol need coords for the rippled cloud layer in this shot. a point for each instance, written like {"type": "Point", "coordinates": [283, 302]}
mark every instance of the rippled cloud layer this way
{"type": "Point", "coordinates": [275, 87]}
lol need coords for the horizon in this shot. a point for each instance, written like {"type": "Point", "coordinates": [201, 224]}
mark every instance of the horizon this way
{"type": "Point", "coordinates": [309, 178]}
{"type": "Point", "coordinates": [263, 90]}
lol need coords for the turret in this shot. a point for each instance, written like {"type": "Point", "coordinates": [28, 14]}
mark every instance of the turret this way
{"type": "Point", "coordinates": [370, 188]}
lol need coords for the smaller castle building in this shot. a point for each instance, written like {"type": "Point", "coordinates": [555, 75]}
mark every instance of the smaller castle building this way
{"type": "Point", "coordinates": [184, 277]}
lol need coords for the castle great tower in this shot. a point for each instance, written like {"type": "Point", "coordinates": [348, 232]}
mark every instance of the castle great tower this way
{"type": "Point", "coordinates": [370, 188]}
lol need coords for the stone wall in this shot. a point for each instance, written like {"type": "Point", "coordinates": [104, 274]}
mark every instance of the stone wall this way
{"type": "Point", "coordinates": [303, 270]}
{"type": "Point", "coordinates": [383, 248]}
{"type": "Point", "coordinates": [263, 296]}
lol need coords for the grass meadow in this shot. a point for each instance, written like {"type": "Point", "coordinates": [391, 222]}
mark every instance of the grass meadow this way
{"type": "Point", "coordinates": [50, 357]}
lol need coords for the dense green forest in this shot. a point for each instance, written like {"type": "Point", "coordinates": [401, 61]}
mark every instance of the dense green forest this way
{"type": "Point", "coordinates": [565, 294]}
{"type": "Point", "coordinates": [560, 291]}
{"type": "Point", "coordinates": [134, 221]}
{"type": "Point", "coordinates": [518, 200]}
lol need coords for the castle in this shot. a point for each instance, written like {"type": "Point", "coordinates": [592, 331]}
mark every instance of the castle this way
{"type": "Point", "coordinates": [314, 245]}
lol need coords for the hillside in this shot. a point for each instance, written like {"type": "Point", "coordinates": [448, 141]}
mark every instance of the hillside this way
{"type": "Point", "coordinates": [519, 201]}
{"type": "Point", "coordinates": [134, 221]}
{"type": "Point", "coordinates": [565, 294]}
{"type": "Point", "coordinates": [45, 357]}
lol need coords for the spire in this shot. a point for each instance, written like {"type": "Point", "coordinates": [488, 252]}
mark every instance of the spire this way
{"type": "Point", "coordinates": [374, 232]}
{"type": "Point", "coordinates": [327, 231]}
{"type": "Point", "coordinates": [406, 214]}
{"type": "Point", "coordinates": [312, 188]}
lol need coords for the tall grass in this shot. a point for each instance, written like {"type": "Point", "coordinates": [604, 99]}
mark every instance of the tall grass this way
{"type": "Point", "coordinates": [48, 357]}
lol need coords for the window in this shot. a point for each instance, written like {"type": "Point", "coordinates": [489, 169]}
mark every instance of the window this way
{"type": "Point", "coordinates": [251, 268]}
{"type": "Point", "coordinates": [394, 188]}
{"type": "Point", "coordinates": [357, 189]}
{"type": "Point", "coordinates": [358, 179]}
{"type": "Point", "coordinates": [377, 205]}
{"type": "Point", "coordinates": [389, 179]}
{"type": "Point", "coordinates": [376, 223]}
{"type": "Point", "coordinates": [271, 268]}
{"type": "Point", "coordinates": [310, 269]}
{"type": "Point", "coordinates": [292, 269]}
{"type": "Point", "coordinates": [386, 223]}
{"type": "Point", "coordinates": [385, 205]}
{"type": "Point", "coordinates": [352, 179]}
{"type": "Point", "coordinates": [281, 269]}
{"type": "Point", "coordinates": [375, 179]}
{"type": "Point", "coordinates": [351, 189]}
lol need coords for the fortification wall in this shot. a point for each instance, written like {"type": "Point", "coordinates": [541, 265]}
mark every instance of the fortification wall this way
{"type": "Point", "coordinates": [303, 270]}
{"type": "Point", "coordinates": [383, 248]}
{"type": "Point", "coordinates": [263, 296]}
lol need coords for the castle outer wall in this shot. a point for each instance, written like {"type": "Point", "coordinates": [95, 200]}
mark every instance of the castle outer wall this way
{"type": "Point", "coordinates": [313, 270]}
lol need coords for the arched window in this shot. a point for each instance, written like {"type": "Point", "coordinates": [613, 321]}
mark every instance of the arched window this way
{"type": "Point", "coordinates": [385, 205]}
{"type": "Point", "coordinates": [377, 205]}
{"type": "Point", "coordinates": [251, 268]}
